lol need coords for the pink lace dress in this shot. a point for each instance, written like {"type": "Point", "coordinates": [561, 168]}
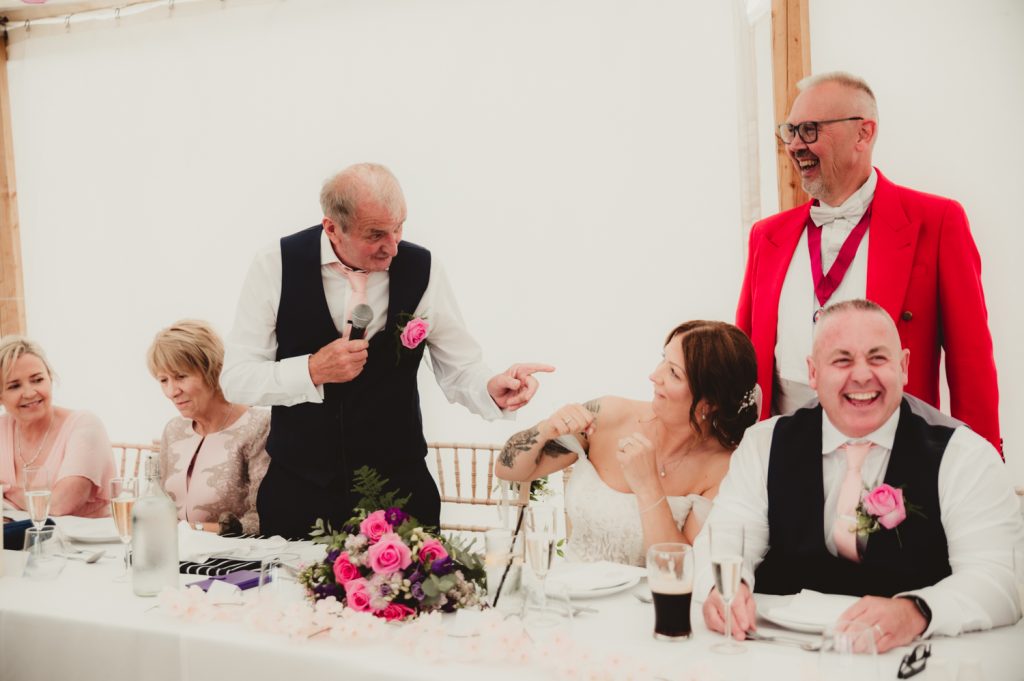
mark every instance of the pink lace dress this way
{"type": "Point", "coordinates": [217, 475]}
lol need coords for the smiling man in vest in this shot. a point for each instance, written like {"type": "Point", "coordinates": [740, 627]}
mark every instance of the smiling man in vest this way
{"type": "Point", "coordinates": [871, 493]}
{"type": "Point", "coordinates": [342, 402]}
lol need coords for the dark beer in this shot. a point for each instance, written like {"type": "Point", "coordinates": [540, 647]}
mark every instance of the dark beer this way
{"type": "Point", "coordinates": [672, 614]}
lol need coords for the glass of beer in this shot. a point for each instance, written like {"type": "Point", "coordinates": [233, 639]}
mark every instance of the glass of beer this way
{"type": "Point", "coordinates": [670, 576]}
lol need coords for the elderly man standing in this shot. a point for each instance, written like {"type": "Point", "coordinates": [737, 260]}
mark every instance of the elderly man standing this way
{"type": "Point", "coordinates": [797, 482]}
{"type": "Point", "coordinates": [864, 237]}
{"type": "Point", "coordinates": [340, 401]}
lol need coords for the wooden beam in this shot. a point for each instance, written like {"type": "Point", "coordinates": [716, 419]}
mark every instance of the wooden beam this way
{"type": "Point", "coordinates": [19, 11]}
{"type": "Point", "coordinates": [791, 62]}
{"type": "Point", "coordinates": [12, 290]}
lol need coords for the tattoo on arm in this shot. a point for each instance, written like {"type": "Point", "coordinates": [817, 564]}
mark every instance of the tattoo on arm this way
{"type": "Point", "coordinates": [553, 449]}
{"type": "Point", "coordinates": [518, 443]}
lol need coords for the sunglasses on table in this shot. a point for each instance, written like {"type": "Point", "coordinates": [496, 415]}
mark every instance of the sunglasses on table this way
{"type": "Point", "coordinates": [913, 662]}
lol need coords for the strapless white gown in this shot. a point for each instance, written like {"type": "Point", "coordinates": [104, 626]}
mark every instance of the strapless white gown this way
{"type": "Point", "coordinates": [606, 522]}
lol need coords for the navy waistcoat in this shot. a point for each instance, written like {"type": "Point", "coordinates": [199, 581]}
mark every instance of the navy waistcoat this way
{"type": "Point", "coordinates": [910, 556]}
{"type": "Point", "coordinates": [374, 419]}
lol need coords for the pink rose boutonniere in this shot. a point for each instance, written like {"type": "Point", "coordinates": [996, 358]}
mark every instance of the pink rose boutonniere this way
{"type": "Point", "coordinates": [882, 507]}
{"type": "Point", "coordinates": [411, 334]}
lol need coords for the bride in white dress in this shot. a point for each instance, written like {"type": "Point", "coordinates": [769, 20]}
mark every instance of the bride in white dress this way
{"type": "Point", "coordinates": [646, 472]}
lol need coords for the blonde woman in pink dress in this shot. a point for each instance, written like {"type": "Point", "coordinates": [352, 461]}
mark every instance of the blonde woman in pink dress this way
{"type": "Point", "coordinates": [213, 457]}
{"type": "Point", "coordinates": [71, 446]}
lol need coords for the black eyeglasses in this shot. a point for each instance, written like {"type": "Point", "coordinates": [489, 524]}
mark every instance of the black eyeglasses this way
{"type": "Point", "coordinates": [914, 661]}
{"type": "Point", "coordinates": [808, 130]}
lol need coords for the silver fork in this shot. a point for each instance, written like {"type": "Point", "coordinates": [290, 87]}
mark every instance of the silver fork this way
{"type": "Point", "coordinates": [782, 640]}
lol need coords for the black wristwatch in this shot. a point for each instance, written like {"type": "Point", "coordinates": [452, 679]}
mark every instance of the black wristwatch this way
{"type": "Point", "coordinates": [922, 607]}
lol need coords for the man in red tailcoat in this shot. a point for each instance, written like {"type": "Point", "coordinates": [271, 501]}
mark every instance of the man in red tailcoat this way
{"type": "Point", "coordinates": [864, 237]}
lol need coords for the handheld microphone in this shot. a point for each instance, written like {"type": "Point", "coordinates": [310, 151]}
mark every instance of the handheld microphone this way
{"type": "Point", "coordinates": [362, 315]}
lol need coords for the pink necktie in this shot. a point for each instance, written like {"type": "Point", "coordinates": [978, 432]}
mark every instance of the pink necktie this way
{"type": "Point", "coordinates": [844, 530]}
{"type": "Point", "coordinates": [357, 282]}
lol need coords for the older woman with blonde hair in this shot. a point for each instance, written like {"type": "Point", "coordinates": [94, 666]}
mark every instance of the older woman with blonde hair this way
{"type": "Point", "coordinates": [71, 446]}
{"type": "Point", "coordinates": [213, 457]}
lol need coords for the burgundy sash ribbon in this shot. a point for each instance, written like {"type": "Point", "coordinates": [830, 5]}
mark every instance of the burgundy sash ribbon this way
{"type": "Point", "coordinates": [826, 284]}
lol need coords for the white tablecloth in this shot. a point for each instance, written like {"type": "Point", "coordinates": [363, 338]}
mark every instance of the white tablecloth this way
{"type": "Point", "coordinates": [84, 625]}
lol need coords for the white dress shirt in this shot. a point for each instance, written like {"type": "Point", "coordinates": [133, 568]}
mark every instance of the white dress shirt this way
{"type": "Point", "coordinates": [980, 516]}
{"type": "Point", "coordinates": [252, 376]}
{"type": "Point", "coordinates": [797, 302]}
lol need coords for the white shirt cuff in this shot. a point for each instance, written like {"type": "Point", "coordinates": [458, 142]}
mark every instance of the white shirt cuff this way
{"type": "Point", "coordinates": [293, 374]}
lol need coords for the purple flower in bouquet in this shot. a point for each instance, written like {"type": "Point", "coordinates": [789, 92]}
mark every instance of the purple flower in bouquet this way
{"type": "Point", "coordinates": [325, 590]}
{"type": "Point", "coordinates": [332, 556]}
{"type": "Point", "coordinates": [375, 526]}
{"type": "Point", "coordinates": [417, 591]}
{"type": "Point", "coordinates": [442, 566]}
{"type": "Point", "coordinates": [395, 516]}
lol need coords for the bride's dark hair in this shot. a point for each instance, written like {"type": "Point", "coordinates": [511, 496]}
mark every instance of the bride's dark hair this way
{"type": "Point", "coordinates": [721, 370]}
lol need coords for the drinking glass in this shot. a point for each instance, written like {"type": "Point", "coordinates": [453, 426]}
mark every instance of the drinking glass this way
{"type": "Point", "coordinates": [670, 576]}
{"type": "Point", "coordinates": [44, 549]}
{"type": "Point", "coordinates": [37, 494]}
{"type": "Point", "coordinates": [540, 521]}
{"type": "Point", "coordinates": [123, 493]}
{"type": "Point", "coordinates": [279, 580]}
{"type": "Point", "coordinates": [726, 550]}
{"type": "Point", "coordinates": [848, 653]}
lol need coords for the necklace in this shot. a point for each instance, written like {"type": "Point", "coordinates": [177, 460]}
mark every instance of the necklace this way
{"type": "Point", "coordinates": [39, 450]}
{"type": "Point", "coordinates": [224, 421]}
{"type": "Point", "coordinates": [678, 460]}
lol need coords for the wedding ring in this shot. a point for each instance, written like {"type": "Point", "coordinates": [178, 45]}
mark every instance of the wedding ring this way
{"type": "Point", "coordinates": [879, 630]}
{"type": "Point", "coordinates": [567, 421]}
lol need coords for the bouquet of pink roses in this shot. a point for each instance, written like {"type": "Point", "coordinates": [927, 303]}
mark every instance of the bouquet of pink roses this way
{"type": "Point", "coordinates": [383, 562]}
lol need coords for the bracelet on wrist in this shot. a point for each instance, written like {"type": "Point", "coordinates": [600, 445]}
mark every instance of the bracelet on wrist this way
{"type": "Point", "coordinates": [645, 510]}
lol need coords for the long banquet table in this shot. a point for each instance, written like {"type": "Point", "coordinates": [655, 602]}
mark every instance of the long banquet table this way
{"type": "Point", "coordinates": [85, 625]}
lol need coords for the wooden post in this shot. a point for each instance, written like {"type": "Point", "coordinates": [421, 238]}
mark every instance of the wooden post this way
{"type": "Point", "coordinates": [791, 61]}
{"type": "Point", "coordinates": [12, 289]}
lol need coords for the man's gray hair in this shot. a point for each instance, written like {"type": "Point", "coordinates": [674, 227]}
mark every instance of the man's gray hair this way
{"type": "Point", "coordinates": [846, 80]}
{"type": "Point", "coordinates": [360, 183]}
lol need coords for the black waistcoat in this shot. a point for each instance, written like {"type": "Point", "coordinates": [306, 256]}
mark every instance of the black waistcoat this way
{"type": "Point", "coordinates": [892, 562]}
{"type": "Point", "coordinates": [373, 420]}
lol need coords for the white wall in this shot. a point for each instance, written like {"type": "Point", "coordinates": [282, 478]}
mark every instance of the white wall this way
{"type": "Point", "coordinates": [573, 164]}
{"type": "Point", "coordinates": [948, 78]}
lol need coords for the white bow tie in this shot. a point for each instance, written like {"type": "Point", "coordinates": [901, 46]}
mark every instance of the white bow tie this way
{"type": "Point", "coordinates": [852, 211]}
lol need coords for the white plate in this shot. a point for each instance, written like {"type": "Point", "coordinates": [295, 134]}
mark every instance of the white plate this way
{"type": "Point", "coordinates": [793, 625]}
{"type": "Point", "coordinates": [89, 530]}
{"type": "Point", "coordinates": [592, 580]}
{"type": "Point", "coordinates": [609, 590]}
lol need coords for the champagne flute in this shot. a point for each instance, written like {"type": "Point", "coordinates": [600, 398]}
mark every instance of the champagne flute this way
{"type": "Point", "coordinates": [123, 493]}
{"type": "Point", "coordinates": [37, 494]}
{"type": "Point", "coordinates": [540, 543]}
{"type": "Point", "coordinates": [726, 541]}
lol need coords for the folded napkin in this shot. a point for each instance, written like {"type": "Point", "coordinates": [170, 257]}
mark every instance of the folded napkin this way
{"type": "Point", "coordinates": [98, 530]}
{"type": "Point", "coordinates": [205, 553]}
{"type": "Point", "coordinates": [813, 608]}
{"type": "Point", "coordinates": [594, 576]}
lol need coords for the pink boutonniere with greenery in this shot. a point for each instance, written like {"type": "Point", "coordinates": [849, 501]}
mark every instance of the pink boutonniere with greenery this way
{"type": "Point", "coordinates": [411, 334]}
{"type": "Point", "coordinates": [883, 507]}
